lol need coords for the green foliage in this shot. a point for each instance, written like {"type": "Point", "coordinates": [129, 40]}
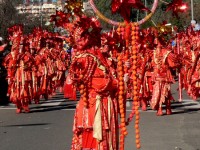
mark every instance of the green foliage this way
{"type": "Point", "coordinates": [8, 16]}
{"type": "Point", "coordinates": [147, 24]}
{"type": "Point", "coordinates": [104, 6]}
{"type": "Point", "coordinates": [160, 15]}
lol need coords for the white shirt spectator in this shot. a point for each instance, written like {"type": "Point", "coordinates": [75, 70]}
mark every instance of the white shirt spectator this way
{"type": "Point", "coordinates": [196, 27]}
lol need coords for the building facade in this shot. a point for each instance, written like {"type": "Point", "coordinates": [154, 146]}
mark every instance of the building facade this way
{"type": "Point", "coordinates": [40, 8]}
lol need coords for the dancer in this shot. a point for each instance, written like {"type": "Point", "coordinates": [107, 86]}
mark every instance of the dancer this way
{"type": "Point", "coordinates": [95, 120]}
{"type": "Point", "coordinates": [163, 60]}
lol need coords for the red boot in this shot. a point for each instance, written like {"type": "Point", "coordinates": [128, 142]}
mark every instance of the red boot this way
{"type": "Point", "coordinates": [19, 107]}
{"type": "Point", "coordinates": [25, 106]}
{"type": "Point", "coordinates": [144, 104]}
{"type": "Point", "coordinates": [168, 111]}
{"type": "Point", "coordinates": [159, 111]}
{"type": "Point", "coordinates": [18, 110]}
{"type": "Point", "coordinates": [168, 107]}
{"type": "Point", "coordinates": [26, 109]}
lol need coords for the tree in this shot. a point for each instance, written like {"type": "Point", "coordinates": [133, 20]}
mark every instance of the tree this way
{"type": "Point", "coordinates": [104, 6]}
{"type": "Point", "coordinates": [8, 15]}
{"type": "Point", "coordinates": [160, 15]}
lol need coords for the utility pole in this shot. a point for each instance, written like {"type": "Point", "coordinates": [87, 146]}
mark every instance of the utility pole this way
{"type": "Point", "coordinates": [41, 15]}
{"type": "Point", "coordinates": [145, 3]}
{"type": "Point", "coordinates": [192, 9]}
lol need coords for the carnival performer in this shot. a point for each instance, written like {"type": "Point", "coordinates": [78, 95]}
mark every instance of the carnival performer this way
{"type": "Point", "coordinates": [95, 120]}
{"type": "Point", "coordinates": [45, 69]}
{"type": "Point", "coordinates": [194, 76]}
{"type": "Point", "coordinates": [189, 51]}
{"type": "Point", "coordinates": [32, 65]}
{"type": "Point", "coordinates": [37, 43]}
{"type": "Point", "coordinates": [15, 69]}
{"type": "Point", "coordinates": [163, 60]}
{"type": "Point", "coordinates": [185, 50]}
{"type": "Point", "coordinates": [26, 60]}
{"type": "Point", "coordinates": [36, 77]}
{"type": "Point", "coordinates": [145, 75]}
{"type": "Point", "coordinates": [145, 69]}
{"type": "Point", "coordinates": [60, 62]}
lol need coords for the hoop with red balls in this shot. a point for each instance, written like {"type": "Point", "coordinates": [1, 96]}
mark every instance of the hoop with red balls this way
{"type": "Point", "coordinates": [115, 23]}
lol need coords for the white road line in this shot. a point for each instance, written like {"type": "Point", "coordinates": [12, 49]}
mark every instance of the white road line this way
{"type": "Point", "coordinates": [3, 108]}
{"type": "Point", "coordinates": [180, 106]}
{"type": "Point", "coordinates": [51, 104]}
{"type": "Point", "coordinates": [51, 101]}
{"type": "Point", "coordinates": [75, 109]}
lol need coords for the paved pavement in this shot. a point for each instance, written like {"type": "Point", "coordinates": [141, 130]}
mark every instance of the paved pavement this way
{"type": "Point", "coordinates": [49, 126]}
{"type": "Point", "coordinates": [58, 102]}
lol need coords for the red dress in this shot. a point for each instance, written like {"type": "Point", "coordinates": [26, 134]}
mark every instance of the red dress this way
{"type": "Point", "coordinates": [195, 77]}
{"type": "Point", "coordinates": [163, 60]}
{"type": "Point", "coordinates": [95, 126]}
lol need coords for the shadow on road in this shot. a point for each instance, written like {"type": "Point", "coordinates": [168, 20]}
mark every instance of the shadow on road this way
{"type": "Point", "coordinates": [25, 125]}
{"type": "Point", "coordinates": [52, 108]}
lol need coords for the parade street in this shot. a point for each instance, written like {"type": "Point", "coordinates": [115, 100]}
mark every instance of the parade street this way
{"type": "Point", "coordinates": [49, 126]}
{"type": "Point", "coordinates": [99, 75]}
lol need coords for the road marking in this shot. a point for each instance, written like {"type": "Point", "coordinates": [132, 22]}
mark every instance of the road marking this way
{"type": "Point", "coordinates": [50, 104]}
{"type": "Point", "coordinates": [69, 109]}
{"type": "Point", "coordinates": [185, 105]}
{"type": "Point", "coordinates": [7, 108]}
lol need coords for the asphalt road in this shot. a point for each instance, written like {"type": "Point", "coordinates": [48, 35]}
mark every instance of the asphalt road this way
{"type": "Point", "coordinates": [49, 127]}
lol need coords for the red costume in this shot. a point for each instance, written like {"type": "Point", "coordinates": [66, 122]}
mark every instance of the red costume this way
{"type": "Point", "coordinates": [95, 120]}
{"type": "Point", "coordinates": [15, 64]}
{"type": "Point", "coordinates": [145, 77]}
{"type": "Point", "coordinates": [163, 59]}
{"type": "Point", "coordinates": [32, 66]}
{"type": "Point", "coordinates": [189, 49]}
{"type": "Point", "coordinates": [194, 75]}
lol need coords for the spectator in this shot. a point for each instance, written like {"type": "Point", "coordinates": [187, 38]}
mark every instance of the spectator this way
{"type": "Point", "coordinates": [4, 100]}
{"type": "Point", "coordinates": [195, 25]}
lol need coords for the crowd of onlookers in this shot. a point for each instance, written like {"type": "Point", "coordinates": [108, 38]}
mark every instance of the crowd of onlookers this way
{"type": "Point", "coordinates": [4, 50]}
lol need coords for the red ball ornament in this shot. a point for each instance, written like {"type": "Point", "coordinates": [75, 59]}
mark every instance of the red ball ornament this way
{"type": "Point", "coordinates": [138, 146]}
{"type": "Point", "coordinates": [136, 126]}
{"type": "Point", "coordinates": [137, 117]}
